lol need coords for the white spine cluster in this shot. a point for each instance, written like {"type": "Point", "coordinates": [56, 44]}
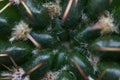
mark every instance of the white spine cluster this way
{"type": "Point", "coordinates": [51, 76]}
{"type": "Point", "coordinates": [17, 75]}
{"type": "Point", "coordinates": [54, 75]}
{"type": "Point", "coordinates": [53, 9]}
{"type": "Point", "coordinates": [20, 31]}
{"type": "Point", "coordinates": [107, 24]}
{"type": "Point", "coordinates": [94, 60]}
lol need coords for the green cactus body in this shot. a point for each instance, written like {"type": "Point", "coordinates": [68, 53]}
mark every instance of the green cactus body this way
{"type": "Point", "coordinates": [18, 51]}
{"type": "Point", "coordinates": [59, 39]}
{"type": "Point", "coordinates": [111, 42]}
{"type": "Point", "coordinates": [112, 70]}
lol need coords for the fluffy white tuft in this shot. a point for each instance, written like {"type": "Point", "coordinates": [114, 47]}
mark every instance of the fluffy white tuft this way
{"type": "Point", "coordinates": [20, 31]}
{"type": "Point", "coordinates": [107, 24]}
{"type": "Point", "coordinates": [94, 60]}
{"type": "Point", "coordinates": [53, 9]}
{"type": "Point", "coordinates": [51, 76]}
{"type": "Point", "coordinates": [17, 75]}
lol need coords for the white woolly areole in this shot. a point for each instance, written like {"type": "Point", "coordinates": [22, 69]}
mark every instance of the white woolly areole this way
{"type": "Point", "coordinates": [107, 24]}
{"type": "Point", "coordinates": [54, 75]}
{"type": "Point", "coordinates": [51, 75]}
{"type": "Point", "coordinates": [15, 1]}
{"type": "Point", "coordinates": [20, 31]}
{"type": "Point", "coordinates": [17, 75]}
{"type": "Point", "coordinates": [94, 60]}
{"type": "Point", "coordinates": [53, 9]}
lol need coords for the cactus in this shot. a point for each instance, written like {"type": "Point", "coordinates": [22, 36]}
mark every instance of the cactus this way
{"type": "Point", "coordinates": [59, 40]}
